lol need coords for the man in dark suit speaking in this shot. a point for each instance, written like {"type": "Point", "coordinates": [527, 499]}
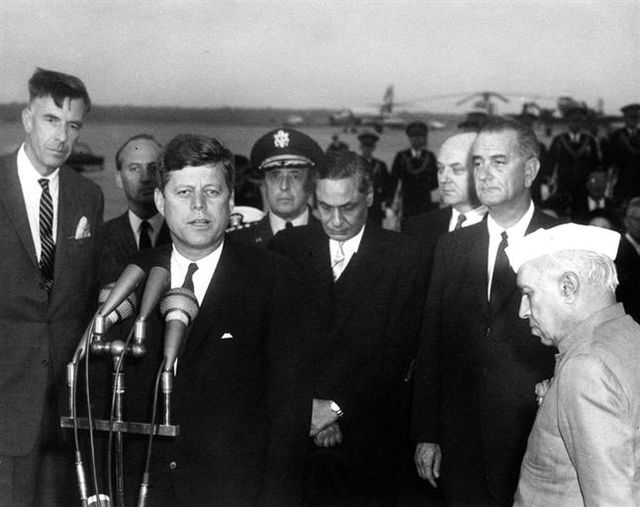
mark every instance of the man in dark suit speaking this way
{"type": "Point", "coordinates": [365, 288]}
{"type": "Point", "coordinates": [239, 396]}
{"type": "Point", "coordinates": [477, 367]}
{"type": "Point", "coordinates": [48, 220]}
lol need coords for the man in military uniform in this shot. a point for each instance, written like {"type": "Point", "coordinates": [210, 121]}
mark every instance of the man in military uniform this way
{"type": "Point", "coordinates": [283, 157]}
{"type": "Point", "coordinates": [573, 155]}
{"type": "Point", "coordinates": [416, 171]}
{"type": "Point", "coordinates": [624, 154]}
{"type": "Point", "coordinates": [383, 187]}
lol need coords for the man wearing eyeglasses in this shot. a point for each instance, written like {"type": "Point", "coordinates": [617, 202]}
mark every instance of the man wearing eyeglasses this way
{"type": "Point", "coordinates": [283, 157]}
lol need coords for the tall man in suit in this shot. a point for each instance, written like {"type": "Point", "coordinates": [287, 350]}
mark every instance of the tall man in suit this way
{"type": "Point", "coordinates": [383, 182]}
{"type": "Point", "coordinates": [584, 448]}
{"type": "Point", "coordinates": [141, 226]}
{"type": "Point", "coordinates": [473, 405]}
{"type": "Point", "coordinates": [48, 220]}
{"type": "Point", "coordinates": [623, 160]}
{"type": "Point", "coordinates": [239, 395]}
{"type": "Point", "coordinates": [457, 192]}
{"type": "Point", "coordinates": [365, 291]}
{"type": "Point", "coordinates": [284, 158]}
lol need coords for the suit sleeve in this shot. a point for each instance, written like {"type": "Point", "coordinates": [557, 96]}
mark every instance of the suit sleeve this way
{"type": "Point", "coordinates": [425, 420]}
{"type": "Point", "coordinates": [288, 392]}
{"type": "Point", "coordinates": [593, 422]}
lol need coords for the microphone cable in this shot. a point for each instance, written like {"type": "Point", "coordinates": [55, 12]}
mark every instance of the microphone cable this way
{"type": "Point", "coordinates": [144, 485]}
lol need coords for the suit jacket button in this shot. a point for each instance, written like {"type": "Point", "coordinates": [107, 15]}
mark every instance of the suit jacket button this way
{"type": "Point", "coordinates": [487, 332]}
{"type": "Point", "coordinates": [173, 465]}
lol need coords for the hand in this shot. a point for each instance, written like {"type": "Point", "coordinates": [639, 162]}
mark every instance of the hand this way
{"type": "Point", "coordinates": [329, 437]}
{"type": "Point", "coordinates": [427, 459]}
{"type": "Point", "coordinates": [322, 416]}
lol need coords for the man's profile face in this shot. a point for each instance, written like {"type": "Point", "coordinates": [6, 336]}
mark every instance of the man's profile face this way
{"type": "Point", "coordinates": [196, 203]}
{"type": "Point", "coordinates": [542, 303]}
{"type": "Point", "coordinates": [502, 174]}
{"type": "Point", "coordinates": [342, 208]}
{"type": "Point", "coordinates": [455, 179]}
{"type": "Point", "coordinates": [287, 191]}
{"type": "Point", "coordinates": [139, 162]}
{"type": "Point", "coordinates": [51, 131]}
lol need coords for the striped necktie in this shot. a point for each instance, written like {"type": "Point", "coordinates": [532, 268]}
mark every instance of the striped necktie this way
{"type": "Point", "coordinates": [338, 264]}
{"type": "Point", "coordinates": [48, 247]}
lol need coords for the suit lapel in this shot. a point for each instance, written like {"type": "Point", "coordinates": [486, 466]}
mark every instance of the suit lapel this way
{"type": "Point", "coordinates": [358, 276]}
{"type": "Point", "coordinates": [478, 258]}
{"type": "Point", "coordinates": [218, 299]}
{"type": "Point", "coordinates": [12, 200]}
{"type": "Point", "coordinates": [66, 230]}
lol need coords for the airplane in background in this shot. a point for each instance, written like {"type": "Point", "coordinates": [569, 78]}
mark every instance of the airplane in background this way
{"type": "Point", "coordinates": [381, 117]}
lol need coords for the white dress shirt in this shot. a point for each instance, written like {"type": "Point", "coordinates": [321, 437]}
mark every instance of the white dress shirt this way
{"type": "Point", "coordinates": [32, 191]}
{"type": "Point", "coordinates": [495, 238]}
{"type": "Point", "coordinates": [277, 223]}
{"type": "Point", "coordinates": [155, 222]}
{"type": "Point", "coordinates": [201, 278]}
{"type": "Point", "coordinates": [473, 217]}
{"type": "Point", "coordinates": [349, 248]}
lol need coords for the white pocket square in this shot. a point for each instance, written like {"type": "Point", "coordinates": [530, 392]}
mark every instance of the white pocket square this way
{"type": "Point", "coordinates": [226, 336]}
{"type": "Point", "coordinates": [82, 229]}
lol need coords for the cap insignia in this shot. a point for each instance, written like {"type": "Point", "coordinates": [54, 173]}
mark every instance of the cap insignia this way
{"type": "Point", "coordinates": [281, 139]}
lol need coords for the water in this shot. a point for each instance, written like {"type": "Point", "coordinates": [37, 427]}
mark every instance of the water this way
{"type": "Point", "coordinates": [105, 139]}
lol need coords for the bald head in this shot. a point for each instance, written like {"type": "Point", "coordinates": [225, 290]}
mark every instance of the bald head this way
{"type": "Point", "coordinates": [455, 174]}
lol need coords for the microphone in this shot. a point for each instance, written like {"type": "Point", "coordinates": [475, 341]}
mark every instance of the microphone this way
{"type": "Point", "coordinates": [131, 277]}
{"type": "Point", "coordinates": [179, 308]}
{"type": "Point", "coordinates": [158, 282]}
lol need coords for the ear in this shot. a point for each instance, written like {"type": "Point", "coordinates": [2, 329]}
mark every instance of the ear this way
{"type": "Point", "coordinates": [370, 197]}
{"type": "Point", "coordinates": [27, 119]}
{"type": "Point", "coordinates": [531, 168]}
{"type": "Point", "coordinates": [158, 198]}
{"type": "Point", "coordinates": [119, 179]}
{"type": "Point", "coordinates": [232, 200]}
{"type": "Point", "coordinates": [570, 286]}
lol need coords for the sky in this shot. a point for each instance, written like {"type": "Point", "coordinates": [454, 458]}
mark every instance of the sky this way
{"type": "Point", "coordinates": [326, 54]}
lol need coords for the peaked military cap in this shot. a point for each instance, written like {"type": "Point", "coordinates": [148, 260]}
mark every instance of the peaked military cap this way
{"type": "Point", "coordinates": [368, 136]}
{"type": "Point", "coordinates": [286, 148]}
{"type": "Point", "coordinates": [417, 128]}
{"type": "Point", "coordinates": [631, 110]}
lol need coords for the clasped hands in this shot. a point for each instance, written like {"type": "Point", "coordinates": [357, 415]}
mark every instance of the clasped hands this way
{"type": "Point", "coordinates": [324, 424]}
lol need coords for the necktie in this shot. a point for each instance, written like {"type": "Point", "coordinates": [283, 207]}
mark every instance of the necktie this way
{"type": "Point", "coordinates": [188, 279]}
{"type": "Point", "coordinates": [288, 225]}
{"type": "Point", "coordinates": [145, 235]}
{"type": "Point", "coordinates": [502, 274]}
{"type": "Point", "coordinates": [338, 264]}
{"type": "Point", "coordinates": [461, 219]}
{"type": "Point", "coordinates": [47, 255]}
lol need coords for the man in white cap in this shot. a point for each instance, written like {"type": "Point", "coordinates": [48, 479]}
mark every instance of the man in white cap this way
{"type": "Point", "coordinates": [584, 448]}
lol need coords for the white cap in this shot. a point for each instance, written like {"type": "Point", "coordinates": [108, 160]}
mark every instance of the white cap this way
{"type": "Point", "coordinates": [562, 237]}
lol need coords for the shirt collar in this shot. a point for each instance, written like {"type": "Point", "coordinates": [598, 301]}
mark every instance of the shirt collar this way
{"type": "Point", "coordinates": [201, 278]}
{"type": "Point", "coordinates": [517, 230]}
{"type": "Point", "coordinates": [472, 217]}
{"type": "Point", "coordinates": [349, 247]}
{"type": "Point", "coordinates": [29, 174]}
{"type": "Point", "coordinates": [278, 224]}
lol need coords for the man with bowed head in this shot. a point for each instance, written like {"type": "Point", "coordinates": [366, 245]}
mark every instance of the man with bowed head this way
{"type": "Point", "coordinates": [584, 448]}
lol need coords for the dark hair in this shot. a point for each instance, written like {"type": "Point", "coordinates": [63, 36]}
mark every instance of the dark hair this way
{"type": "Point", "coordinates": [148, 137]}
{"type": "Point", "coordinates": [58, 86]}
{"type": "Point", "coordinates": [195, 150]}
{"type": "Point", "coordinates": [346, 164]}
{"type": "Point", "coordinates": [527, 141]}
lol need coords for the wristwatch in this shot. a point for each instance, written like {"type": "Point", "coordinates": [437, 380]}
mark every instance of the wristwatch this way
{"type": "Point", "coordinates": [335, 408]}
